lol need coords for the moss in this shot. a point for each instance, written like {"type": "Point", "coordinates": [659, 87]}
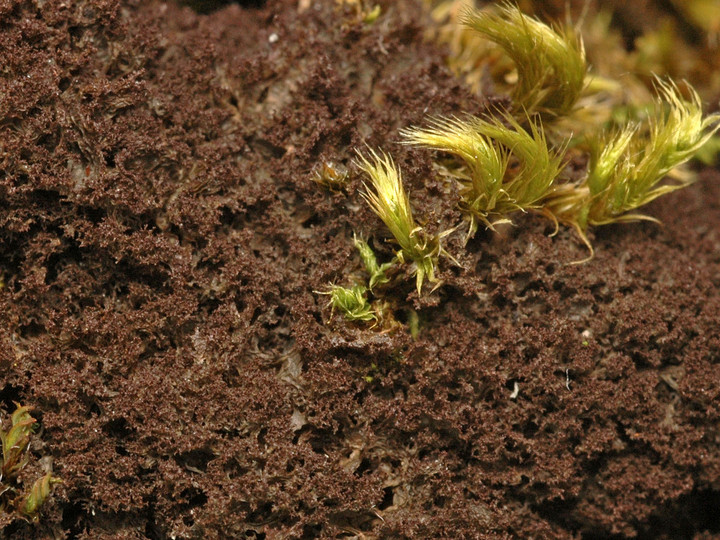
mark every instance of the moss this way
{"type": "Point", "coordinates": [15, 456]}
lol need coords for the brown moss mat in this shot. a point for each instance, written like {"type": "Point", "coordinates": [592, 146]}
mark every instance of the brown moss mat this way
{"type": "Point", "coordinates": [161, 242]}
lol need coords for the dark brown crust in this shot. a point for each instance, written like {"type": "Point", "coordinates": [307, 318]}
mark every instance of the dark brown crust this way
{"type": "Point", "coordinates": [161, 241]}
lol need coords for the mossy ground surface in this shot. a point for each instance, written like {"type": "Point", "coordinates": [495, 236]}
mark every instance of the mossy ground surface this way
{"type": "Point", "coordinates": [161, 242]}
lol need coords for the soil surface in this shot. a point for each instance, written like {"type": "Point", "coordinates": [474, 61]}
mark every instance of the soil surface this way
{"type": "Point", "coordinates": [161, 244]}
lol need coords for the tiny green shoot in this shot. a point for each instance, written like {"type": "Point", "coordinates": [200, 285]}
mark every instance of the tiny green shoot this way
{"type": "Point", "coordinates": [352, 302]}
{"type": "Point", "coordinates": [15, 447]}
{"type": "Point", "coordinates": [16, 441]}
{"type": "Point", "coordinates": [364, 10]}
{"type": "Point", "coordinates": [371, 16]}
{"type": "Point", "coordinates": [33, 501]}
{"type": "Point", "coordinates": [376, 271]}
{"type": "Point", "coordinates": [413, 322]}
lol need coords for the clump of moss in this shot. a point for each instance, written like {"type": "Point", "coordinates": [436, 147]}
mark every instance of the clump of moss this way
{"type": "Point", "coordinates": [388, 199]}
{"type": "Point", "coordinates": [627, 164]}
{"type": "Point", "coordinates": [489, 190]}
{"type": "Point", "coordinates": [514, 159]}
{"type": "Point", "coordinates": [550, 63]}
{"type": "Point", "coordinates": [631, 147]}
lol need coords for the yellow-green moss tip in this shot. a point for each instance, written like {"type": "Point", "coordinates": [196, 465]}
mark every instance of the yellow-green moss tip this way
{"type": "Point", "coordinates": [627, 165]}
{"type": "Point", "coordinates": [550, 63]}
{"type": "Point", "coordinates": [388, 199]}
{"type": "Point", "coordinates": [489, 193]}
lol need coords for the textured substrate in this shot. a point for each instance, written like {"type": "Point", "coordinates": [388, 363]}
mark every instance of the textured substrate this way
{"type": "Point", "coordinates": [161, 242]}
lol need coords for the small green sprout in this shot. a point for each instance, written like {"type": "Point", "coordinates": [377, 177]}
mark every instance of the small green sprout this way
{"type": "Point", "coordinates": [389, 201]}
{"type": "Point", "coordinates": [373, 369]}
{"type": "Point", "coordinates": [15, 442]}
{"type": "Point", "coordinates": [31, 503]}
{"type": "Point", "coordinates": [15, 446]}
{"type": "Point", "coordinates": [627, 165]}
{"type": "Point", "coordinates": [377, 271]}
{"type": "Point", "coordinates": [486, 146]}
{"type": "Point", "coordinates": [551, 64]}
{"type": "Point", "coordinates": [351, 302]}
